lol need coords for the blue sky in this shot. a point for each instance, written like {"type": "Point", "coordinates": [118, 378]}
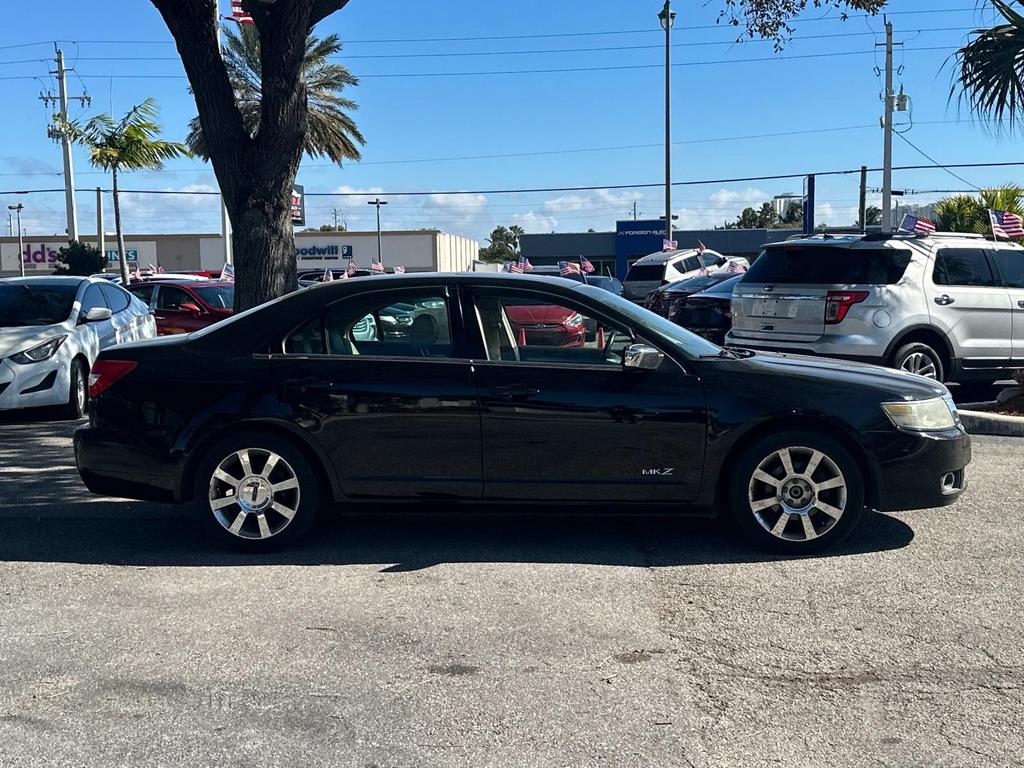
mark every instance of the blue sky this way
{"type": "Point", "coordinates": [566, 128]}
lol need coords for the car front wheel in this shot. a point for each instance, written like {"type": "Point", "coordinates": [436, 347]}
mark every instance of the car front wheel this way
{"type": "Point", "coordinates": [796, 492]}
{"type": "Point", "coordinates": [78, 393]}
{"type": "Point", "coordinates": [257, 493]}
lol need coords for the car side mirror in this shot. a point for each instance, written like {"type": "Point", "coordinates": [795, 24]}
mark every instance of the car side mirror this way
{"type": "Point", "coordinates": [95, 315]}
{"type": "Point", "coordinates": [192, 309]}
{"type": "Point", "coordinates": [644, 357]}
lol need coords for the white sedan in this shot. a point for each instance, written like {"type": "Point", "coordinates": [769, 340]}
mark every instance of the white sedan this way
{"type": "Point", "coordinates": [52, 329]}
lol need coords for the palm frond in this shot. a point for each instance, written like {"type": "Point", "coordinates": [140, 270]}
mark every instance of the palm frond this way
{"type": "Point", "coordinates": [990, 69]}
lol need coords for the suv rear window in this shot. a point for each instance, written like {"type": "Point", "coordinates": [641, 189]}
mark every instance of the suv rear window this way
{"type": "Point", "coordinates": [827, 265]}
{"type": "Point", "coordinates": [646, 272]}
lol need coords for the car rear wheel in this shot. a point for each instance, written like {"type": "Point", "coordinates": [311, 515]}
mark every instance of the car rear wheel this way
{"type": "Point", "coordinates": [257, 493]}
{"type": "Point", "coordinates": [78, 392]}
{"type": "Point", "coordinates": [796, 492]}
{"type": "Point", "coordinates": [920, 359]}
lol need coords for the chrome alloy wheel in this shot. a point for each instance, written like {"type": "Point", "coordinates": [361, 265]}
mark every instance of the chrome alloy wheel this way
{"type": "Point", "coordinates": [797, 494]}
{"type": "Point", "coordinates": [921, 364]}
{"type": "Point", "coordinates": [254, 493]}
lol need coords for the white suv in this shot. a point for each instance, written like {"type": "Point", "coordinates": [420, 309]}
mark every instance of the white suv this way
{"type": "Point", "coordinates": [947, 306]}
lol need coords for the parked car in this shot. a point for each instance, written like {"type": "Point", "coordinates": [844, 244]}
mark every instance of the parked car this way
{"type": "Point", "coordinates": [707, 313]}
{"type": "Point", "coordinates": [52, 329]}
{"type": "Point", "coordinates": [658, 269]}
{"type": "Point", "coordinates": [549, 325]}
{"type": "Point", "coordinates": [263, 420]}
{"type": "Point", "coordinates": [183, 306]}
{"type": "Point", "coordinates": [660, 301]}
{"type": "Point", "coordinates": [946, 306]}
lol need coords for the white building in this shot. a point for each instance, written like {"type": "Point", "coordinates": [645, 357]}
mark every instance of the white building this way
{"type": "Point", "coordinates": [424, 250]}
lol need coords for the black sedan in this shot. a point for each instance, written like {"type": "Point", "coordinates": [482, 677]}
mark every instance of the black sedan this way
{"type": "Point", "coordinates": [663, 300]}
{"type": "Point", "coordinates": [707, 313]}
{"type": "Point", "coordinates": [261, 420]}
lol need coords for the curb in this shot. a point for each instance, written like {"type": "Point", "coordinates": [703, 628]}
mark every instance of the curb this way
{"type": "Point", "coordinates": [979, 423]}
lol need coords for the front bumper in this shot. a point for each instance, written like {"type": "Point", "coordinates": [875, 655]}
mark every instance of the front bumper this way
{"type": "Point", "coordinates": [115, 463]}
{"type": "Point", "coordinates": [38, 385]}
{"type": "Point", "coordinates": [919, 470]}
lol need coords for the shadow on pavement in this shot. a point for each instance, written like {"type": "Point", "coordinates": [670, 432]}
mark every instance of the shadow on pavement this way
{"type": "Point", "coordinates": [409, 542]}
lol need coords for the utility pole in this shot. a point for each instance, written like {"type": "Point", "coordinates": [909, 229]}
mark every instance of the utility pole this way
{"type": "Point", "coordinates": [58, 132]}
{"type": "Point", "coordinates": [887, 128]}
{"type": "Point", "coordinates": [101, 235]}
{"type": "Point", "coordinates": [634, 210]}
{"type": "Point", "coordinates": [378, 202]}
{"type": "Point", "coordinates": [10, 224]}
{"type": "Point", "coordinates": [863, 218]}
{"type": "Point", "coordinates": [667, 17]}
{"type": "Point", "coordinates": [21, 238]}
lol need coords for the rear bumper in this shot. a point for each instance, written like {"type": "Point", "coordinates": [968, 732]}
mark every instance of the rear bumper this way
{"type": "Point", "coordinates": [113, 464]}
{"type": "Point", "coordinates": [840, 348]}
{"type": "Point", "coordinates": [920, 471]}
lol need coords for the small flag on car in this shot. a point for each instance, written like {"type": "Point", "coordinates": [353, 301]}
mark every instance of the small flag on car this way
{"type": "Point", "coordinates": [238, 13]}
{"type": "Point", "coordinates": [735, 268]}
{"type": "Point", "coordinates": [527, 266]}
{"type": "Point", "coordinates": [227, 273]}
{"type": "Point", "coordinates": [917, 224]}
{"type": "Point", "coordinates": [328, 276]}
{"type": "Point", "coordinates": [507, 266]}
{"type": "Point", "coordinates": [585, 264]}
{"type": "Point", "coordinates": [566, 268]}
{"type": "Point", "coordinates": [1006, 224]}
{"type": "Point", "coordinates": [669, 245]}
{"type": "Point", "coordinates": [399, 270]}
{"type": "Point", "coordinates": [700, 248]}
{"type": "Point", "coordinates": [351, 270]}
{"type": "Point", "coordinates": [377, 268]}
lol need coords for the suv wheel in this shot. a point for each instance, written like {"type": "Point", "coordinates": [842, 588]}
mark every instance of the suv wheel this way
{"type": "Point", "coordinates": [796, 492]}
{"type": "Point", "coordinates": [257, 493]}
{"type": "Point", "coordinates": [920, 359]}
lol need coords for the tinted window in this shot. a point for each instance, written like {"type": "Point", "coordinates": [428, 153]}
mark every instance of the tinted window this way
{"type": "Point", "coordinates": [962, 266]}
{"type": "Point", "coordinates": [169, 297]}
{"type": "Point", "coordinates": [307, 340]}
{"type": "Point", "coordinates": [827, 265]}
{"type": "Point", "coordinates": [531, 329]}
{"type": "Point", "coordinates": [219, 296]}
{"type": "Point", "coordinates": [23, 304]}
{"type": "Point", "coordinates": [93, 298]}
{"type": "Point", "coordinates": [646, 272]}
{"type": "Point", "coordinates": [117, 299]}
{"type": "Point", "coordinates": [1011, 265]}
{"type": "Point", "coordinates": [144, 293]}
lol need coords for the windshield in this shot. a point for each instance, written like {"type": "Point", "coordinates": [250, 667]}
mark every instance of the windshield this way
{"type": "Point", "coordinates": [662, 329]}
{"type": "Point", "coordinates": [217, 296]}
{"type": "Point", "coordinates": [22, 304]}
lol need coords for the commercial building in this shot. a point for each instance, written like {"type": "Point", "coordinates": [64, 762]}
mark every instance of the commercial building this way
{"type": "Point", "coordinates": [424, 250]}
{"type": "Point", "coordinates": [614, 252]}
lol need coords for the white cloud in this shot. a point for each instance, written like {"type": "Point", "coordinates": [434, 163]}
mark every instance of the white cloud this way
{"type": "Point", "coordinates": [535, 223]}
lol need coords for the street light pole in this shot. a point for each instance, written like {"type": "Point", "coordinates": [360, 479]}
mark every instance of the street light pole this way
{"type": "Point", "coordinates": [378, 202]}
{"type": "Point", "coordinates": [21, 238]}
{"type": "Point", "coordinates": [667, 17]}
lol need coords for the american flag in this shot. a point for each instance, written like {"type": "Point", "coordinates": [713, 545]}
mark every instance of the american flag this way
{"type": "Point", "coordinates": [351, 270]}
{"type": "Point", "coordinates": [669, 245]}
{"type": "Point", "coordinates": [915, 224]}
{"type": "Point", "coordinates": [238, 13]}
{"type": "Point", "coordinates": [527, 266]}
{"type": "Point", "coordinates": [328, 276]}
{"type": "Point", "coordinates": [585, 264]}
{"type": "Point", "coordinates": [700, 248]}
{"type": "Point", "coordinates": [735, 268]}
{"type": "Point", "coordinates": [399, 270]}
{"type": "Point", "coordinates": [566, 268]}
{"type": "Point", "coordinates": [507, 266]}
{"type": "Point", "coordinates": [515, 267]}
{"type": "Point", "coordinates": [377, 268]}
{"type": "Point", "coordinates": [1006, 224]}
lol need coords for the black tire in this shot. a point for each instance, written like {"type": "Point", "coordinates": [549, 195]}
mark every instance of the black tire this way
{"type": "Point", "coordinates": [302, 500]}
{"type": "Point", "coordinates": [909, 356]}
{"type": "Point", "coordinates": [78, 393]}
{"type": "Point", "coordinates": [745, 491]}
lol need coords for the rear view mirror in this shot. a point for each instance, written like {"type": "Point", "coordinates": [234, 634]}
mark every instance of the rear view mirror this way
{"type": "Point", "coordinates": [642, 356]}
{"type": "Point", "coordinates": [95, 315]}
{"type": "Point", "coordinates": [192, 309]}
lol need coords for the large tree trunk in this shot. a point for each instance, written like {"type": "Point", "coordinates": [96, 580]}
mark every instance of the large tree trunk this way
{"type": "Point", "coordinates": [122, 253]}
{"type": "Point", "coordinates": [255, 173]}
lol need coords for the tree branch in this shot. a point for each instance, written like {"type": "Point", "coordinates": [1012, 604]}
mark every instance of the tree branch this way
{"type": "Point", "coordinates": [323, 8]}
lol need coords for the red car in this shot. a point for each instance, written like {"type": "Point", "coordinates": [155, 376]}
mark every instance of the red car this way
{"type": "Point", "coordinates": [183, 306]}
{"type": "Point", "coordinates": [546, 325]}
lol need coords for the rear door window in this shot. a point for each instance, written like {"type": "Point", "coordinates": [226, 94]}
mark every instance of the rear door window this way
{"type": "Point", "coordinates": [646, 272]}
{"type": "Point", "coordinates": [171, 298]}
{"type": "Point", "coordinates": [963, 266]}
{"type": "Point", "coordinates": [828, 265]}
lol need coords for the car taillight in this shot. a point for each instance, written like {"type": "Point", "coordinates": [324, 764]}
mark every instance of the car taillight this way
{"type": "Point", "coordinates": [105, 373]}
{"type": "Point", "coordinates": [838, 303]}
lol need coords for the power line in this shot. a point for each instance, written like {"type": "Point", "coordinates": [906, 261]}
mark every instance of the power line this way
{"type": "Point", "coordinates": [936, 162]}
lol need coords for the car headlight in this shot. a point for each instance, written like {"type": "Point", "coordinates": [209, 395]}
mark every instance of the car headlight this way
{"type": "Point", "coordinates": [575, 320]}
{"type": "Point", "coordinates": [923, 415]}
{"type": "Point", "coordinates": [38, 353]}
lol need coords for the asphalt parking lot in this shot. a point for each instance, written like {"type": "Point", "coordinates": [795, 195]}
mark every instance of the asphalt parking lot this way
{"type": "Point", "coordinates": [127, 639]}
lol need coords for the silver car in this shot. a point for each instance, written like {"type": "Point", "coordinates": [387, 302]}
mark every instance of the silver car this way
{"type": "Point", "coordinates": [946, 306]}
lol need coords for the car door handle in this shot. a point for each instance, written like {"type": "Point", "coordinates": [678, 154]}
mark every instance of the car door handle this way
{"type": "Point", "coordinates": [944, 300]}
{"type": "Point", "coordinates": [514, 392]}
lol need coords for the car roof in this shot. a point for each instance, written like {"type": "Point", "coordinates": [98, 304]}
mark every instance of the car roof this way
{"type": "Point", "coordinates": [182, 283]}
{"type": "Point", "coordinates": [666, 256]}
{"type": "Point", "coordinates": [876, 239]}
{"type": "Point", "coordinates": [53, 280]}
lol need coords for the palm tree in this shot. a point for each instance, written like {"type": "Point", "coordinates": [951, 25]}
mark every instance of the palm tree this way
{"type": "Point", "coordinates": [967, 213]}
{"type": "Point", "coordinates": [130, 144]}
{"type": "Point", "coordinates": [990, 68]}
{"type": "Point", "coordinates": [332, 131]}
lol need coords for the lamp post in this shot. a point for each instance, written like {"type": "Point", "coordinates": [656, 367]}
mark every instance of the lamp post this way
{"type": "Point", "coordinates": [378, 202]}
{"type": "Point", "coordinates": [667, 17]}
{"type": "Point", "coordinates": [21, 239]}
